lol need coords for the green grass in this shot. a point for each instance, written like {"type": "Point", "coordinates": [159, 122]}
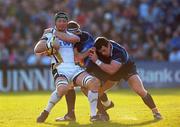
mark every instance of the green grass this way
{"type": "Point", "coordinates": [21, 109]}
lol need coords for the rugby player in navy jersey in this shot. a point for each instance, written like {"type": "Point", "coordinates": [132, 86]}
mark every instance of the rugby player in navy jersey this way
{"type": "Point", "coordinates": [113, 61]}
{"type": "Point", "coordinates": [81, 50]}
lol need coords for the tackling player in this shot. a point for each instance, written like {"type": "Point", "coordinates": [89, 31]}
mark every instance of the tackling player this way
{"type": "Point", "coordinates": [111, 59]}
{"type": "Point", "coordinates": [81, 55]}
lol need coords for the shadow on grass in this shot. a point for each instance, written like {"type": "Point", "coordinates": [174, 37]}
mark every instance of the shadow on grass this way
{"type": "Point", "coordinates": [100, 124]}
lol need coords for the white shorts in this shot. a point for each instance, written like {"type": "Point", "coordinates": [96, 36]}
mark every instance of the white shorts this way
{"type": "Point", "coordinates": [69, 70]}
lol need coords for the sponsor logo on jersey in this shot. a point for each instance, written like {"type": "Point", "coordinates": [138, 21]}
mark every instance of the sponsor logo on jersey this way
{"type": "Point", "coordinates": [65, 44]}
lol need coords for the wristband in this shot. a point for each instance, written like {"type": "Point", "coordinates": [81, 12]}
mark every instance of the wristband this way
{"type": "Point", "coordinates": [98, 62]}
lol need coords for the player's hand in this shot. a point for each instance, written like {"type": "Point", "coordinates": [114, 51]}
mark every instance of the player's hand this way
{"type": "Point", "coordinates": [79, 58]}
{"type": "Point", "coordinates": [51, 52]}
{"type": "Point", "coordinates": [53, 43]}
{"type": "Point", "coordinates": [93, 49]}
{"type": "Point", "coordinates": [48, 30]}
{"type": "Point", "coordinates": [92, 54]}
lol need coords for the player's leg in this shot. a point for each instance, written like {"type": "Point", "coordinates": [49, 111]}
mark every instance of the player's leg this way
{"type": "Point", "coordinates": [54, 98]}
{"type": "Point", "coordinates": [61, 89]}
{"type": "Point", "coordinates": [136, 84]}
{"type": "Point", "coordinates": [60, 80]}
{"type": "Point", "coordinates": [107, 104]}
{"type": "Point", "coordinates": [70, 100]}
{"type": "Point", "coordinates": [102, 114]}
{"type": "Point", "coordinates": [92, 84]}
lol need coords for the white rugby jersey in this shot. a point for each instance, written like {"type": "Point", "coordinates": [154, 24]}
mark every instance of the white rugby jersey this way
{"type": "Point", "coordinates": [66, 51]}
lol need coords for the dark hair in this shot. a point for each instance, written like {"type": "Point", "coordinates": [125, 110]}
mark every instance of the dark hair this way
{"type": "Point", "coordinates": [73, 27]}
{"type": "Point", "coordinates": [60, 15]}
{"type": "Point", "coordinates": [101, 41]}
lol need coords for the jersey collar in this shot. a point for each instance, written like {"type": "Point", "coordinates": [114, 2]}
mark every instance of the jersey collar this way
{"type": "Point", "coordinates": [111, 48]}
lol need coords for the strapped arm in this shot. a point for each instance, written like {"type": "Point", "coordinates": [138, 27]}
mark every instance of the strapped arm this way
{"type": "Point", "coordinates": [111, 68]}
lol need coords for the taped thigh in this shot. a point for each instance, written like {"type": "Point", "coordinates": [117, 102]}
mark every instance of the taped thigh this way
{"type": "Point", "coordinates": [86, 79]}
{"type": "Point", "coordinates": [61, 80]}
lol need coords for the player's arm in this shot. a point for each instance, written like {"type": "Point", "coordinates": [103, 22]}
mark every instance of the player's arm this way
{"type": "Point", "coordinates": [43, 46]}
{"type": "Point", "coordinates": [76, 52]}
{"type": "Point", "coordinates": [79, 55]}
{"type": "Point", "coordinates": [84, 54]}
{"type": "Point", "coordinates": [45, 53]}
{"type": "Point", "coordinates": [111, 68]}
{"type": "Point", "coordinates": [67, 37]}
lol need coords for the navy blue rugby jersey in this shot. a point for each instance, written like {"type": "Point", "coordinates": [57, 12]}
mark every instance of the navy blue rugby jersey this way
{"type": "Point", "coordinates": [86, 42]}
{"type": "Point", "coordinates": [118, 53]}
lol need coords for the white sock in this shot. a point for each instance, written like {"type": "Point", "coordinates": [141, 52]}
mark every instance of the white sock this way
{"type": "Point", "coordinates": [93, 97]}
{"type": "Point", "coordinates": [106, 103]}
{"type": "Point", "coordinates": [54, 98]}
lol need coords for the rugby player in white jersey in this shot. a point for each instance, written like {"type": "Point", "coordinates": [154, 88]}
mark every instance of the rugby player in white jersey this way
{"type": "Point", "coordinates": [66, 70]}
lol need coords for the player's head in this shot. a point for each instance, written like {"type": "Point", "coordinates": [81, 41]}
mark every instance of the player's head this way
{"type": "Point", "coordinates": [102, 46]}
{"type": "Point", "coordinates": [61, 21]}
{"type": "Point", "coordinates": [74, 27]}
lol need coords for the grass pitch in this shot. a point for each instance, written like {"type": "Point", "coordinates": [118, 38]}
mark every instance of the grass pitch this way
{"type": "Point", "coordinates": [21, 109]}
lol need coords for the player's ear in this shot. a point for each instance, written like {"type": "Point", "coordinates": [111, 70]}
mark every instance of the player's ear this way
{"type": "Point", "coordinates": [94, 48]}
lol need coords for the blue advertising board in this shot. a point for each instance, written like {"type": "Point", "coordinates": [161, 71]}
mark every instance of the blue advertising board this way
{"type": "Point", "coordinates": [153, 74]}
{"type": "Point", "coordinates": [159, 74]}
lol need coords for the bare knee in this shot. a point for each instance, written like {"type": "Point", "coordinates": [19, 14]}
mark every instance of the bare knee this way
{"type": "Point", "coordinates": [137, 85]}
{"type": "Point", "coordinates": [62, 90]}
{"type": "Point", "coordinates": [61, 85]}
{"type": "Point", "coordinates": [93, 84]}
{"type": "Point", "coordinates": [139, 89]}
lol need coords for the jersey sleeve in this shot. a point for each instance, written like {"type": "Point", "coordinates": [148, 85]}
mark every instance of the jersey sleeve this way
{"type": "Point", "coordinates": [47, 37]}
{"type": "Point", "coordinates": [88, 42]}
{"type": "Point", "coordinates": [120, 57]}
{"type": "Point", "coordinates": [117, 57]}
